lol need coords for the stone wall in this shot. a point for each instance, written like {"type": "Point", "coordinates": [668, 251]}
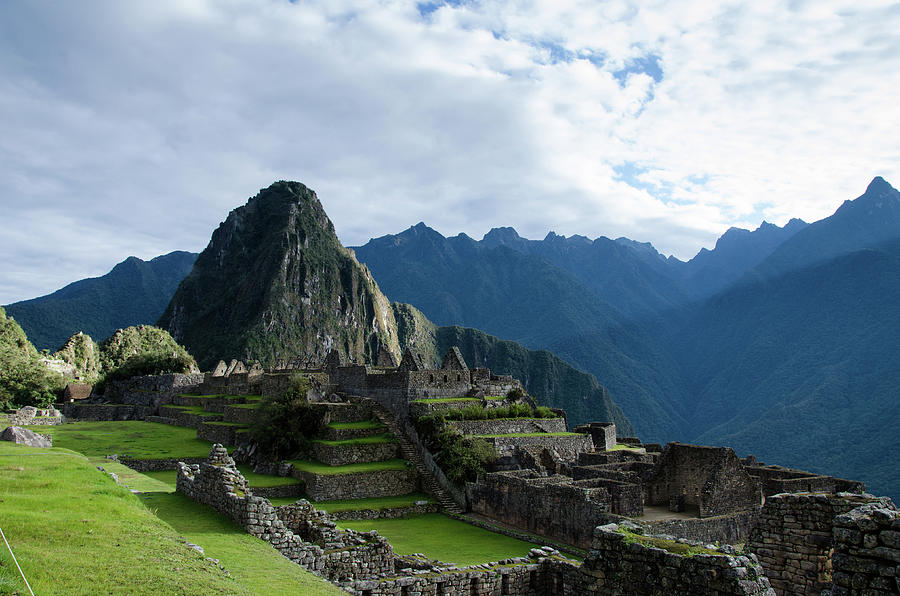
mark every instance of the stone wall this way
{"type": "Point", "coordinates": [552, 506]}
{"type": "Point", "coordinates": [239, 414]}
{"type": "Point", "coordinates": [567, 446]}
{"type": "Point", "coordinates": [711, 478]}
{"type": "Point", "coordinates": [151, 391]}
{"type": "Point", "coordinates": [326, 487]}
{"type": "Point", "coordinates": [339, 556]}
{"type": "Point", "coordinates": [512, 425]}
{"type": "Point", "coordinates": [102, 412]}
{"type": "Point", "coordinates": [793, 539]}
{"type": "Point", "coordinates": [619, 568]}
{"type": "Point", "coordinates": [340, 455]}
{"type": "Point", "coordinates": [31, 416]}
{"type": "Point", "coordinates": [156, 465]}
{"type": "Point", "coordinates": [215, 432]}
{"type": "Point", "coordinates": [866, 557]}
{"type": "Point", "coordinates": [733, 528]}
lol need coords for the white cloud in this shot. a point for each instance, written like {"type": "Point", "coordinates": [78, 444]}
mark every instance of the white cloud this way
{"type": "Point", "coordinates": [141, 124]}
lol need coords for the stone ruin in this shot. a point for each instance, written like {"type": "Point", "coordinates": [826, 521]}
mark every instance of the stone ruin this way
{"type": "Point", "coordinates": [31, 416]}
{"type": "Point", "coordinates": [23, 436]}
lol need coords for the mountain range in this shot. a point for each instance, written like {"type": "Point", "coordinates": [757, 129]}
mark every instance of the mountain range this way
{"type": "Point", "coordinates": [780, 341]}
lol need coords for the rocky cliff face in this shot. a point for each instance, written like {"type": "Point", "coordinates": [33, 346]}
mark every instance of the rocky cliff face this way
{"type": "Point", "coordinates": [274, 284]}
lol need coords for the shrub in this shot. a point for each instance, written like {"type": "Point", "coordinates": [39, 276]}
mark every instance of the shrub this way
{"type": "Point", "coordinates": [24, 379]}
{"type": "Point", "coordinates": [284, 424]}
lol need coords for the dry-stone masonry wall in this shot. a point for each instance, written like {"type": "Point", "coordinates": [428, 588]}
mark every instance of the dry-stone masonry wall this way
{"type": "Point", "coordinates": [325, 487]}
{"type": "Point", "coordinates": [619, 568]}
{"type": "Point", "coordinates": [866, 559]}
{"type": "Point", "coordinates": [340, 455]}
{"type": "Point", "coordinates": [31, 416]}
{"type": "Point", "coordinates": [513, 425]}
{"type": "Point", "coordinates": [793, 539]}
{"type": "Point", "coordinates": [341, 556]}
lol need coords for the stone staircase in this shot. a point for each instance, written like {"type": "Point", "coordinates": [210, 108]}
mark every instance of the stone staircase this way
{"type": "Point", "coordinates": [412, 454]}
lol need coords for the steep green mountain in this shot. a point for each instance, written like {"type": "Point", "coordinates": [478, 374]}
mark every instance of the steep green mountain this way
{"type": "Point", "coordinates": [804, 369]}
{"type": "Point", "coordinates": [276, 284]}
{"type": "Point", "coordinates": [527, 299]}
{"type": "Point", "coordinates": [134, 292]}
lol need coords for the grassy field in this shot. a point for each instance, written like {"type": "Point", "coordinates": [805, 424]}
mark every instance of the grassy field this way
{"type": "Point", "coordinates": [375, 466]}
{"type": "Point", "coordinates": [443, 538]}
{"type": "Point", "coordinates": [140, 440]}
{"type": "Point", "coordinates": [112, 543]}
{"type": "Point", "coordinates": [74, 531]}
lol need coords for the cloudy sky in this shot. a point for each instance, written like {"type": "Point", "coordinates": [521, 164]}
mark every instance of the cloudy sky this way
{"type": "Point", "coordinates": [132, 128]}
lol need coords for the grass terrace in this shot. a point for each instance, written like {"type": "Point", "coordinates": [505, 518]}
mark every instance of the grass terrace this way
{"type": "Point", "coordinates": [191, 409]}
{"type": "Point", "coordinates": [316, 467]}
{"type": "Point", "coordinates": [626, 447]}
{"type": "Point", "coordinates": [136, 439]}
{"type": "Point", "coordinates": [443, 538]}
{"type": "Point", "coordinates": [672, 546]}
{"type": "Point", "coordinates": [384, 438]}
{"type": "Point", "coordinates": [110, 543]}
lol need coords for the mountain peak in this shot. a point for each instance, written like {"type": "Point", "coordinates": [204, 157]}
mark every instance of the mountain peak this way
{"type": "Point", "coordinates": [879, 186]}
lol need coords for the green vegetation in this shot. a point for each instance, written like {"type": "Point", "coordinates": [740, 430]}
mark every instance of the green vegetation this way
{"type": "Point", "coordinates": [443, 538]}
{"type": "Point", "coordinates": [512, 411]}
{"type": "Point", "coordinates": [24, 380]}
{"type": "Point", "coordinates": [55, 503]}
{"type": "Point", "coordinates": [167, 478]}
{"type": "Point", "coordinates": [283, 424]}
{"type": "Point", "coordinates": [253, 563]}
{"type": "Point", "coordinates": [139, 440]}
{"type": "Point", "coordinates": [384, 438]}
{"type": "Point", "coordinates": [375, 466]}
{"type": "Point", "coordinates": [672, 546]}
{"type": "Point", "coordinates": [625, 447]}
{"type": "Point", "coordinates": [461, 458]}
{"type": "Point", "coordinates": [142, 350]}
{"type": "Point", "coordinates": [81, 352]}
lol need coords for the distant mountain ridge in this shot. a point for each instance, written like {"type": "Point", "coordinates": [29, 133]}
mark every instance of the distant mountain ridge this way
{"type": "Point", "coordinates": [134, 292]}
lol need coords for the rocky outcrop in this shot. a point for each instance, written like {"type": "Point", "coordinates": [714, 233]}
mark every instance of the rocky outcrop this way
{"type": "Point", "coordinates": [23, 436]}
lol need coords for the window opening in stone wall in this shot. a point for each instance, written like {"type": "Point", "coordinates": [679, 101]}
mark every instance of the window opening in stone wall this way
{"type": "Point", "coordinates": [474, 586]}
{"type": "Point", "coordinates": [431, 378]}
{"type": "Point", "coordinates": [440, 589]}
{"type": "Point", "coordinates": [458, 378]}
{"type": "Point", "coordinates": [404, 590]}
{"type": "Point", "coordinates": [445, 378]}
{"type": "Point", "coordinates": [504, 584]}
{"type": "Point", "coordinates": [367, 592]}
{"type": "Point", "coordinates": [532, 579]}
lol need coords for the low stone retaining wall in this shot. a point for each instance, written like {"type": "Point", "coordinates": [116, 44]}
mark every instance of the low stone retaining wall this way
{"type": "Point", "coordinates": [513, 425]}
{"type": "Point", "coordinates": [279, 492]}
{"type": "Point", "coordinates": [218, 433]}
{"type": "Point", "coordinates": [568, 446]}
{"type": "Point", "coordinates": [726, 529]}
{"type": "Point", "coordinates": [339, 556]}
{"type": "Point", "coordinates": [417, 409]}
{"type": "Point", "coordinates": [106, 412]}
{"type": "Point", "coordinates": [343, 434]}
{"type": "Point", "coordinates": [383, 483]}
{"type": "Point", "coordinates": [866, 556]}
{"type": "Point", "coordinates": [391, 513]}
{"type": "Point", "coordinates": [31, 416]}
{"type": "Point", "coordinates": [239, 415]}
{"type": "Point", "coordinates": [622, 568]}
{"type": "Point", "coordinates": [156, 465]}
{"type": "Point", "coordinates": [188, 419]}
{"type": "Point", "coordinates": [340, 455]}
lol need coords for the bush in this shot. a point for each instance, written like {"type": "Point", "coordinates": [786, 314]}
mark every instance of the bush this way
{"type": "Point", "coordinates": [24, 379]}
{"type": "Point", "coordinates": [461, 458]}
{"type": "Point", "coordinates": [284, 424]}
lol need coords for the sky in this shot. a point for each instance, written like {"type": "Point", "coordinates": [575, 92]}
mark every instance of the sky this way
{"type": "Point", "coordinates": [133, 128]}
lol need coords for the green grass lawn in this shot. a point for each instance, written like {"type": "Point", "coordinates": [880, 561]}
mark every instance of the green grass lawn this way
{"type": "Point", "coordinates": [74, 531]}
{"type": "Point", "coordinates": [252, 562]}
{"type": "Point", "coordinates": [140, 440]}
{"type": "Point", "coordinates": [385, 438]}
{"type": "Point", "coordinates": [375, 466]}
{"type": "Point", "coordinates": [365, 424]}
{"type": "Point", "coordinates": [443, 538]}
{"type": "Point", "coordinates": [626, 447]}
{"type": "Point", "coordinates": [374, 503]}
